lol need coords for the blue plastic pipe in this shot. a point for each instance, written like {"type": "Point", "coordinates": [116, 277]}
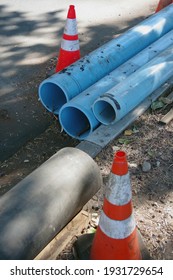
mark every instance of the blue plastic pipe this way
{"type": "Point", "coordinates": [55, 91]}
{"type": "Point", "coordinates": [76, 116]}
{"type": "Point", "coordinates": [125, 96]}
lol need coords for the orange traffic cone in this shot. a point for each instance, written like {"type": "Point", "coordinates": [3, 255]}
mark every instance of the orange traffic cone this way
{"type": "Point", "coordinates": [69, 51]}
{"type": "Point", "coordinates": [162, 4]}
{"type": "Point", "coordinates": [116, 236]}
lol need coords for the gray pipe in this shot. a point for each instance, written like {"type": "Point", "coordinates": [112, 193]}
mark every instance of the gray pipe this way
{"type": "Point", "coordinates": [38, 207]}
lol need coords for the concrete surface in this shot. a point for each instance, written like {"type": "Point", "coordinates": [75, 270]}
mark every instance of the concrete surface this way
{"type": "Point", "coordinates": [30, 37]}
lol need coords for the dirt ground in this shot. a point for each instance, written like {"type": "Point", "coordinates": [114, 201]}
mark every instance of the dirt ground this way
{"type": "Point", "coordinates": [149, 148]}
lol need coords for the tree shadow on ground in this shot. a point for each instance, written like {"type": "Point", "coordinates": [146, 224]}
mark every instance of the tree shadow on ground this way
{"type": "Point", "coordinates": [29, 52]}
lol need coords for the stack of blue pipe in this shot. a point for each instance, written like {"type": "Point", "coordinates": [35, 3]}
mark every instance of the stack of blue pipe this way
{"type": "Point", "coordinates": [103, 86]}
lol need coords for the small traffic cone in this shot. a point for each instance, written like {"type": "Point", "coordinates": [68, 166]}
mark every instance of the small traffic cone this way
{"type": "Point", "coordinates": [116, 236]}
{"type": "Point", "coordinates": [69, 51]}
{"type": "Point", "coordinates": [162, 4]}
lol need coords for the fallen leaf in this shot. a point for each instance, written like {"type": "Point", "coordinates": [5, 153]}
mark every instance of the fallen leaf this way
{"type": "Point", "coordinates": [150, 153]}
{"type": "Point", "coordinates": [157, 105]}
{"type": "Point", "coordinates": [124, 141]}
{"type": "Point", "coordinates": [128, 132]}
{"type": "Point", "coordinates": [135, 130]}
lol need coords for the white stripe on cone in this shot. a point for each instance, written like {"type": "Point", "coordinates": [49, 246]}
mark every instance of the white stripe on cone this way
{"type": "Point", "coordinates": [70, 45]}
{"type": "Point", "coordinates": [70, 27]}
{"type": "Point", "coordinates": [117, 229]}
{"type": "Point", "coordinates": [119, 189]}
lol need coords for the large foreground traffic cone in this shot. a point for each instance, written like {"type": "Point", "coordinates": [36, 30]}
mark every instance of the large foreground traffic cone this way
{"type": "Point", "coordinates": [162, 4]}
{"type": "Point", "coordinates": [69, 51]}
{"type": "Point", "coordinates": [116, 236]}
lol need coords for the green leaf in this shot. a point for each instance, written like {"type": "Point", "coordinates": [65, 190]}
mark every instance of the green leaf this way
{"type": "Point", "coordinates": [124, 141]}
{"type": "Point", "coordinates": [135, 129]}
{"type": "Point", "coordinates": [157, 105]}
{"type": "Point", "coordinates": [150, 153]}
{"type": "Point", "coordinates": [91, 230]}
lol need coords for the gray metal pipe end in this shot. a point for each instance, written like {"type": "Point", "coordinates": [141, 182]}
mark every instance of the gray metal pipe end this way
{"type": "Point", "coordinates": [39, 206]}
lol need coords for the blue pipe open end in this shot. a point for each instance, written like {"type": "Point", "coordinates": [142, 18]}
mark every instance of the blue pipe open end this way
{"type": "Point", "coordinates": [104, 112]}
{"type": "Point", "coordinates": [52, 97]}
{"type": "Point", "coordinates": [75, 122]}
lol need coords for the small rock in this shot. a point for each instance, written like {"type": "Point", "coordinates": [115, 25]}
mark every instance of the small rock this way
{"type": "Point", "coordinates": [4, 114]}
{"type": "Point", "coordinates": [94, 215]}
{"type": "Point", "coordinates": [154, 204]}
{"type": "Point", "coordinates": [146, 166]}
{"type": "Point", "coordinates": [2, 174]}
{"type": "Point", "coordinates": [95, 198]}
{"type": "Point", "coordinates": [115, 148]}
{"type": "Point", "coordinates": [94, 220]}
{"type": "Point", "coordinates": [132, 165]}
{"type": "Point", "coordinates": [96, 208]}
{"type": "Point", "coordinates": [50, 72]}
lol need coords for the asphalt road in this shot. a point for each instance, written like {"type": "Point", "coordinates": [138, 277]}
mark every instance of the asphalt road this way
{"type": "Point", "coordinates": [30, 36]}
